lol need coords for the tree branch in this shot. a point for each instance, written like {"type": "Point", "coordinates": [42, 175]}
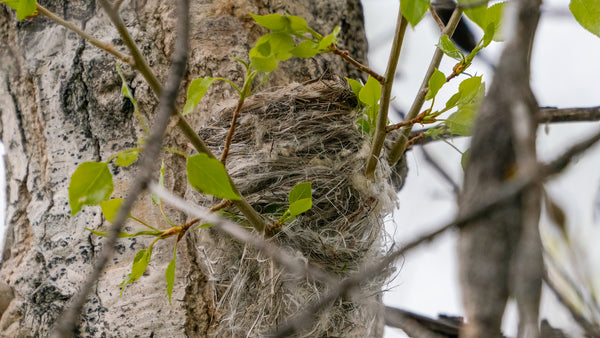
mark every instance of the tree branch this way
{"type": "Point", "coordinates": [400, 146]}
{"type": "Point", "coordinates": [68, 323]}
{"type": "Point", "coordinates": [545, 115]}
{"type": "Point", "coordinates": [386, 94]}
{"type": "Point", "coordinates": [107, 47]}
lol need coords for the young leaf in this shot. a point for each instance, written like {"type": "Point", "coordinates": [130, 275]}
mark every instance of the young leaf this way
{"type": "Point", "coordinates": [355, 85]}
{"type": "Point", "coordinates": [468, 89]}
{"type": "Point", "coordinates": [170, 274]}
{"type": "Point", "coordinates": [447, 46]}
{"type": "Point", "coordinates": [300, 198]}
{"type": "Point", "coordinates": [274, 22]}
{"type": "Point", "coordinates": [587, 13]}
{"type": "Point", "coordinates": [370, 92]}
{"type": "Point", "coordinates": [140, 263]}
{"type": "Point", "coordinates": [110, 208]}
{"type": "Point", "coordinates": [437, 80]}
{"type": "Point", "coordinates": [329, 39]}
{"type": "Point", "coordinates": [24, 8]}
{"type": "Point", "coordinates": [209, 176]}
{"type": "Point", "coordinates": [414, 10]}
{"type": "Point", "coordinates": [91, 183]}
{"type": "Point", "coordinates": [461, 122]}
{"type": "Point", "coordinates": [195, 92]}
{"type": "Point", "coordinates": [127, 157]}
{"type": "Point", "coordinates": [464, 158]}
{"type": "Point", "coordinates": [161, 183]}
{"type": "Point", "coordinates": [484, 16]}
{"type": "Point", "coordinates": [305, 49]}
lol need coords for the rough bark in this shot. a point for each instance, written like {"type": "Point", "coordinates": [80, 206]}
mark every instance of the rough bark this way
{"type": "Point", "coordinates": [61, 105]}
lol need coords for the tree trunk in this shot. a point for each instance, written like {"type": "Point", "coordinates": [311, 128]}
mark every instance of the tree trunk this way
{"type": "Point", "coordinates": [61, 105]}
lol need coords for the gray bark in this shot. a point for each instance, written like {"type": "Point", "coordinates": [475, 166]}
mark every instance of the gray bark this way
{"type": "Point", "coordinates": [61, 105]}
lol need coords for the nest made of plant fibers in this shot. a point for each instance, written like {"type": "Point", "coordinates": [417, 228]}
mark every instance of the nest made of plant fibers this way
{"type": "Point", "coordinates": [299, 133]}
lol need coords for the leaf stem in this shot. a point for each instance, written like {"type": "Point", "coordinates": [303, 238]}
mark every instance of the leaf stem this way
{"type": "Point", "coordinates": [386, 93]}
{"type": "Point", "coordinates": [400, 146]}
{"type": "Point", "coordinates": [107, 47]}
{"type": "Point", "coordinates": [140, 64]}
{"type": "Point", "coordinates": [175, 151]}
{"type": "Point", "coordinates": [346, 56]}
{"type": "Point", "coordinates": [143, 223]}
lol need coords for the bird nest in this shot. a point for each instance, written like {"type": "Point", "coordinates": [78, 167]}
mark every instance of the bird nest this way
{"type": "Point", "coordinates": [299, 133]}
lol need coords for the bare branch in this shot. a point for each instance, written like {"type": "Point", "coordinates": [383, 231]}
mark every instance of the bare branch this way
{"type": "Point", "coordinates": [346, 56]}
{"type": "Point", "coordinates": [545, 115]}
{"type": "Point", "coordinates": [438, 168]}
{"type": "Point", "coordinates": [66, 326]}
{"type": "Point", "coordinates": [416, 325]}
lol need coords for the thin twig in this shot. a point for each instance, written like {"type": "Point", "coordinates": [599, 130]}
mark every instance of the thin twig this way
{"type": "Point", "coordinates": [107, 47]}
{"type": "Point", "coordinates": [386, 94]}
{"type": "Point", "coordinates": [437, 18]}
{"type": "Point", "coordinates": [229, 137]}
{"type": "Point", "coordinates": [346, 56]}
{"type": "Point", "coordinates": [401, 143]}
{"type": "Point", "coordinates": [292, 263]}
{"type": "Point", "coordinates": [66, 326]}
{"type": "Point", "coordinates": [141, 65]}
{"type": "Point", "coordinates": [139, 62]}
{"type": "Point", "coordinates": [506, 192]}
{"type": "Point", "coordinates": [545, 115]}
{"type": "Point", "coordinates": [593, 330]}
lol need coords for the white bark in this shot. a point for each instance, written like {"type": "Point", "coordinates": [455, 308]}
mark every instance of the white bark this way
{"type": "Point", "coordinates": [61, 105]}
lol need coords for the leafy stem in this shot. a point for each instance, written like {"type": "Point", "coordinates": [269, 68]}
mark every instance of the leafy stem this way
{"type": "Point", "coordinates": [386, 90]}
{"type": "Point", "coordinates": [143, 223]}
{"type": "Point", "coordinates": [400, 146]}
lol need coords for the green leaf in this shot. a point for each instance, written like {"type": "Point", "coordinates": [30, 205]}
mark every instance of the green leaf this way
{"type": "Point", "coordinates": [300, 198]}
{"type": "Point", "coordinates": [355, 85]}
{"type": "Point", "coordinates": [587, 13]}
{"type": "Point", "coordinates": [204, 226]}
{"type": "Point", "coordinates": [24, 8]}
{"type": "Point", "coordinates": [329, 39]}
{"type": "Point", "coordinates": [468, 89]}
{"type": "Point", "coordinates": [461, 122]}
{"type": "Point", "coordinates": [452, 101]}
{"type": "Point", "coordinates": [435, 131]}
{"type": "Point", "coordinates": [195, 92]}
{"type": "Point", "coordinates": [436, 81]}
{"type": "Point", "coordinates": [209, 176]}
{"type": "Point", "coordinates": [364, 125]}
{"type": "Point", "coordinates": [484, 16]}
{"type": "Point", "coordinates": [370, 92]}
{"type": "Point", "coordinates": [110, 208]}
{"type": "Point", "coordinates": [414, 10]}
{"type": "Point", "coordinates": [170, 274]}
{"type": "Point", "coordinates": [161, 183]}
{"type": "Point", "coordinates": [305, 49]}
{"type": "Point", "coordinates": [91, 183]}
{"type": "Point", "coordinates": [263, 64]}
{"type": "Point", "coordinates": [140, 263]}
{"type": "Point", "coordinates": [274, 22]}
{"type": "Point", "coordinates": [447, 46]}
{"type": "Point", "coordinates": [127, 157]}
{"type": "Point", "coordinates": [297, 25]}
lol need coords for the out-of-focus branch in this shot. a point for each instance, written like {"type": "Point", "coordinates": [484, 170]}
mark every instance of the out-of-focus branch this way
{"type": "Point", "coordinates": [545, 115]}
{"type": "Point", "coordinates": [293, 264]}
{"type": "Point", "coordinates": [344, 288]}
{"type": "Point", "coordinates": [416, 325]}
{"type": "Point", "coordinates": [68, 322]}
